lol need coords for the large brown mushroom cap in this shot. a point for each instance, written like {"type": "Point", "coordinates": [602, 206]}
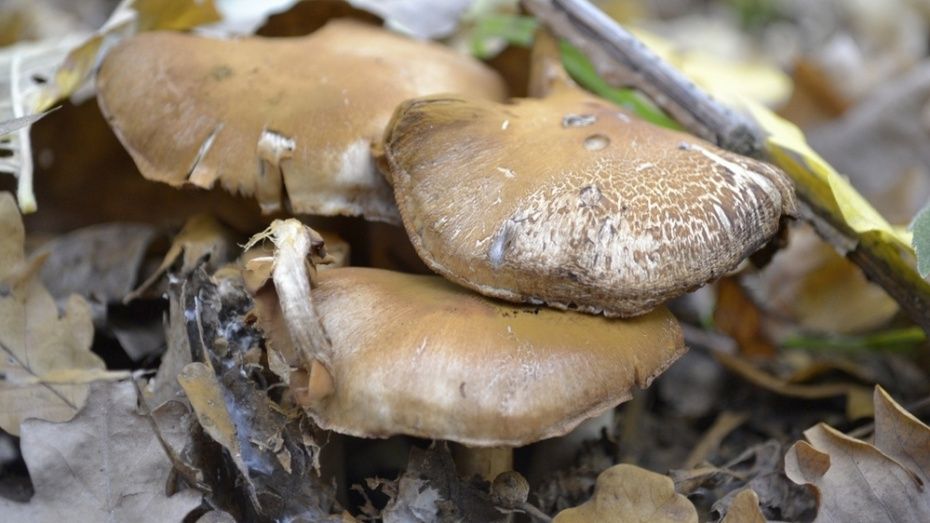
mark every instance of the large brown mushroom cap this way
{"type": "Point", "coordinates": [570, 201]}
{"type": "Point", "coordinates": [286, 119]}
{"type": "Point", "coordinates": [418, 355]}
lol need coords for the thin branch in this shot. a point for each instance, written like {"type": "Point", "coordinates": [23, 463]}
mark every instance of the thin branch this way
{"type": "Point", "coordinates": [608, 46]}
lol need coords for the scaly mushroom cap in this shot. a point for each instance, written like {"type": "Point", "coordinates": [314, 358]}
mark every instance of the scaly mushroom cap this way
{"type": "Point", "coordinates": [418, 355]}
{"type": "Point", "coordinates": [570, 201]}
{"type": "Point", "coordinates": [287, 119]}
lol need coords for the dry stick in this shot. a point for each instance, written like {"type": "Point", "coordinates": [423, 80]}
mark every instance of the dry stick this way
{"type": "Point", "coordinates": [608, 46]}
{"type": "Point", "coordinates": [624, 61]}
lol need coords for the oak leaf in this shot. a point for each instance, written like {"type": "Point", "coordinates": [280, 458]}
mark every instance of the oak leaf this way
{"type": "Point", "coordinates": [45, 356]}
{"type": "Point", "coordinates": [104, 465]}
{"type": "Point", "coordinates": [626, 493]}
{"type": "Point", "coordinates": [882, 481]}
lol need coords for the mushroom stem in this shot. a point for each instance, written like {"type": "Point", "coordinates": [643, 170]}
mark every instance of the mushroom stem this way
{"type": "Point", "coordinates": [547, 74]}
{"type": "Point", "coordinates": [486, 462]}
{"type": "Point", "coordinates": [297, 251]}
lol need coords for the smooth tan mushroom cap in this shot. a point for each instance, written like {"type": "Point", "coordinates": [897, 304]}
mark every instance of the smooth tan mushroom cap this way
{"type": "Point", "coordinates": [418, 355]}
{"type": "Point", "coordinates": [570, 201]}
{"type": "Point", "coordinates": [289, 120]}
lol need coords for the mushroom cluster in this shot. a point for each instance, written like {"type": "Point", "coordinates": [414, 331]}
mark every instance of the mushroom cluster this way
{"type": "Point", "coordinates": [524, 208]}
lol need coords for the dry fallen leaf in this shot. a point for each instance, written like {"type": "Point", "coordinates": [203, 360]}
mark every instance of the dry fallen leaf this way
{"type": "Point", "coordinates": [744, 509]}
{"type": "Point", "coordinates": [100, 262]}
{"type": "Point", "coordinates": [39, 345]}
{"type": "Point", "coordinates": [105, 465]}
{"type": "Point", "coordinates": [203, 237]}
{"type": "Point", "coordinates": [14, 124]}
{"type": "Point", "coordinates": [130, 17]}
{"type": "Point", "coordinates": [628, 494]}
{"type": "Point", "coordinates": [855, 480]}
{"type": "Point", "coordinates": [23, 69]}
{"type": "Point", "coordinates": [736, 315]}
{"type": "Point", "coordinates": [810, 284]}
{"type": "Point", "coordinates": [208, 400]}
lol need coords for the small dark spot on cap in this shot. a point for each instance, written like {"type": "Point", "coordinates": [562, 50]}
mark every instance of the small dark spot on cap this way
{"type": "Point", "coordinates": [462, 389]}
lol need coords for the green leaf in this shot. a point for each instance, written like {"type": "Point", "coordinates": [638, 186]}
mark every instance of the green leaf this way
{"type": "Point", "coordinates": [583, 72]}
{"type": "Point", "coordinates": [893, 340]}
{"type": "Point", "coordinates": [921, 240]}
{"type": "Point", "coordinates": [516, 30]}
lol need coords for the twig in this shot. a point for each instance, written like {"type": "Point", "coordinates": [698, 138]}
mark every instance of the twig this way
{"type": "Point", "coordinates": [535, 513]}
{"type": "Point", "coordinates": [725, 424]}
{"type": "Point", "coordinates": [624, 61]}
{"type": "Point", "coordinates": [712, 341]}
{"type": "Point", "coordinates": [608, 46]}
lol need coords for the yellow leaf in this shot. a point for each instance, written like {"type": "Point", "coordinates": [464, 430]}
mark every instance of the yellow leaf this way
{"type": "Point", "coordinates": [129, 18]}
{"type": "Point", "coordinates": [174, 15]}
{"type": "Point", "coordinates": [788, 147]}
{"type": "Point", "coordinates": [725, 79]}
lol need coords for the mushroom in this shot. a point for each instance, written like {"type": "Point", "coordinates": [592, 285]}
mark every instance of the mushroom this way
{"type": "Point", "coordinates": [289, 120]}
{"type": "Point", "coordinates": [574, 202]}
{"type": "Point", "coordinates": [378, 353]}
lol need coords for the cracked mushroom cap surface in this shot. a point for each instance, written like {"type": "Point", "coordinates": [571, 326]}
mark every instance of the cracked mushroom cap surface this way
{"type": "Point", "coordinates": [418, 355]}
{"type": "Point", "coordinates": [572, 202]}
{"type": "Point", "coordinates": [288, 120]}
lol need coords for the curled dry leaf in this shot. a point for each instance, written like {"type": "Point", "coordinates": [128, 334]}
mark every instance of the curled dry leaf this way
{"type": "Point", "coordinates": [203, 237]}
{"type": "Point", "coordinates": [33, 76]}
{"type": "Point", "coordinates": [23, 67]}
{"type": "Point", "coordinates": [739, 317]}
{"type": "Point", "coordinates": [882, 481]}
{"type": "Point", "coordinates": [39, 345]}
{"type": "Point", "coordinates": [130, 17]}
{"type": "Point", "coordinates": [104, 465]}
{"type": "Point", "coordinates": [583, 206]}
{"type": "Point", "coordinates": [629, 494]}
{"type": "Point", "coordinates": [208, 400]}
{"type": "Point", "coordinates": [289, 121]}
{"type": "Point", "coordinates": [15, 124]}
{"type": "Point", "coordinates": [744, 508]}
